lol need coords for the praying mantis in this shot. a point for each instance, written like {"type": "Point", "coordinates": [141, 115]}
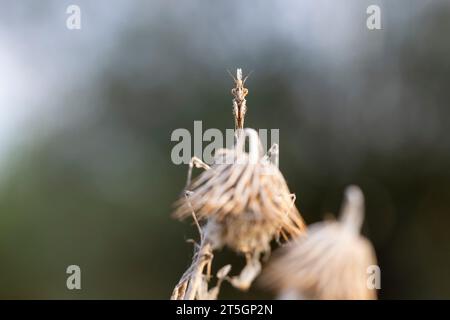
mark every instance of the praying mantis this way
{"type": "Point", "coordinates": [239, 103]}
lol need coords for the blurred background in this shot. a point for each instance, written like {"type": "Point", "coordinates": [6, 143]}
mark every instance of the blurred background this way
{"type": "Point", "coordinates": [86, 117]}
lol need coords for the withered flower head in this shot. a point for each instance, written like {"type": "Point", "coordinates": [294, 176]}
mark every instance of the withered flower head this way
{"type": "Point", "coordinates": [244, 198]}
{"type": "Point", "coordinates": [330, 262]}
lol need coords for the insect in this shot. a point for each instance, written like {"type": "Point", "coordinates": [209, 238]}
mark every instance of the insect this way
{"type": "Point", "coordinates": [239, 103]}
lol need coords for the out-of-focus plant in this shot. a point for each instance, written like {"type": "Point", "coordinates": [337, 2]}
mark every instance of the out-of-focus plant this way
{"type": "Point", "coordinates": [330, 262]}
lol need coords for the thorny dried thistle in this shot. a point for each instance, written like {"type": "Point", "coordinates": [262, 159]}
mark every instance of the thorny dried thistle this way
{"type": "Point", "coordinates": [242, 201]}
{"type": "Point", "coordinates": [330, 262]}
{"type": "Point", "coordinates": [246, 194]}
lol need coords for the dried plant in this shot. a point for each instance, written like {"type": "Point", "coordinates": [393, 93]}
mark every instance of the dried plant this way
{"type": "Point", "coordinates": [243, 202]}
{"type": "Point", "coordinates": [194, 282]}
{"type": "Point", "coordinates": [330, 262]}
{"type": "Point", "coordinates": [246, 196]}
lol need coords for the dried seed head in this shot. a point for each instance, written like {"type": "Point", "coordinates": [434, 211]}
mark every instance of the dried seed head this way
{"type": "Point", "coordinates": [330, 262]}
{"type": "Point", "coordinates": [245, 197]}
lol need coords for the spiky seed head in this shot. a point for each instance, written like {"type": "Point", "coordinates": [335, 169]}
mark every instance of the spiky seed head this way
{"type": "Point", "coordinates": [246, 199]}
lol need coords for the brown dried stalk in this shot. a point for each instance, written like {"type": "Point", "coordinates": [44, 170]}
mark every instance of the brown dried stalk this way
{"type": "Point", "coordinates": [194, 282]}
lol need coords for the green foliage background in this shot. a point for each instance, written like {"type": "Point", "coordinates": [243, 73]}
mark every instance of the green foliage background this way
{"type": "Point", "coordinates": [93, 183]}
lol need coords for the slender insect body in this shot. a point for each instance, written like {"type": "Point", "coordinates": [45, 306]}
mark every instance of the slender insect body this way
{"type": "Point", "coordinates": [239, 110]}
{"type": "Point", "coordinates": [239, 103]}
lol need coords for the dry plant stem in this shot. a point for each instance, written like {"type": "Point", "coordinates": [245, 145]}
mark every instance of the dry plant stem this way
{"type": "Point", "coordinates": [191, 281]}
{"type": "Point", "coordinates": [194, 282]}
